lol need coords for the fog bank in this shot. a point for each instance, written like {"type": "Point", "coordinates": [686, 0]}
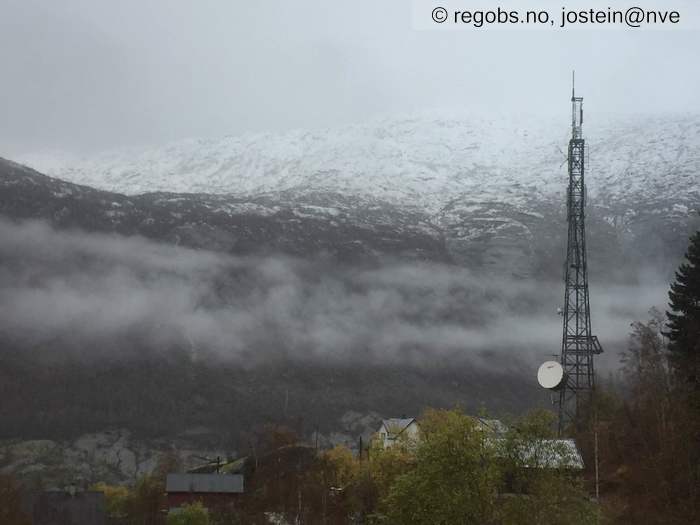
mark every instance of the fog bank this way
{"type": "Point", "coordinates": [81, 292]}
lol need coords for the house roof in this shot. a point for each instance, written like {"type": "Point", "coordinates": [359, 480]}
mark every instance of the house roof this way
{"type": "Point", "coordinates": [551, 453]}
{"type": "Point", "coordinates": [491, 425]}
{"type": "Point", "coordinates": [209, 483]}
{"type": "Point", "coordinates": [395, 426]}
{"type": "Point", "coordinates": [234, 466]}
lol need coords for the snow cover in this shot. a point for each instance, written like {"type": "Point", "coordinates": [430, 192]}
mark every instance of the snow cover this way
{"type": "Point", "coordinates": [423, 160]}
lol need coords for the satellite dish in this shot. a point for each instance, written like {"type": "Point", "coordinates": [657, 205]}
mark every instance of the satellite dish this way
{"type": "Point", "coordinates": [550, 375]}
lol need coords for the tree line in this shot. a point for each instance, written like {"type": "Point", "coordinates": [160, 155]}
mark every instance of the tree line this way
{"type": "Point", "coordinates": [640, 438]}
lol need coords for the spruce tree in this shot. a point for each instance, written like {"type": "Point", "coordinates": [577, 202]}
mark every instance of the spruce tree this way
{"type": "Point", "coordinates": [684, 319]}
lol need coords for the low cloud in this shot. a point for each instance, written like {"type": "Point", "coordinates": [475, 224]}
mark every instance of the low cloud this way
{"type": "Point", "coordinates": [98, 294]}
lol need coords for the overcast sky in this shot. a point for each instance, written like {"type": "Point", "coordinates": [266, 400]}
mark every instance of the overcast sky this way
{"type": "Point", "coordinates": [86, 75]}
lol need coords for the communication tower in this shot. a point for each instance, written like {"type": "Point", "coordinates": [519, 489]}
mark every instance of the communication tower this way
{"type": "Point", "coordinates": [579, 346]}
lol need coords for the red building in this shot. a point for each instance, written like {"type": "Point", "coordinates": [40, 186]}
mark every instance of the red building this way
{"type": "Point", "coordinates": [212, 490]}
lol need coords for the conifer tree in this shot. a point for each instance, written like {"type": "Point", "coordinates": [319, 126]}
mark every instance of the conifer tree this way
{"type": "Point", "coordinates": [684, 317]}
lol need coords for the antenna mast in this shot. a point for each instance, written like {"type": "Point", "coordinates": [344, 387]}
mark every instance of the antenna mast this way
{"type": "Point", "coordinates": [578, 344]}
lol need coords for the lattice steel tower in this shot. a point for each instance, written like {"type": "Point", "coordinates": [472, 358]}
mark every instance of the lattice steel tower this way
{"type": "Point", "coordinates": [578, 345]}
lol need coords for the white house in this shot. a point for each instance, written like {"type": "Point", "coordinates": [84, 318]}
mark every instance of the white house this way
{"type": "Point", "coordinates": [406, 430]}
{"type": "Point", "coordinates": [491, 426]}
{"type": "Point", "coordinates": [538, 453]}
{"type": "Point", "coordinates": [398, 430]}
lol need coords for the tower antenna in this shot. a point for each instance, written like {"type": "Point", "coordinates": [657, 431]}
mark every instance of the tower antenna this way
{"type": "Point", "coordinates": [578, 344]}
{"type": "Point", "coordinates": [573, 377]}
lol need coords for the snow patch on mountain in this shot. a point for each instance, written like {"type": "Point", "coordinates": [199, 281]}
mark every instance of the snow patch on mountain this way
{"type": "Point", "coordinates": [425, 161]}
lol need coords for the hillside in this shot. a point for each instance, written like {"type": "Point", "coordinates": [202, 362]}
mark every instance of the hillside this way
{"type": "Point", "coordinates": [391, 266]}
{"type": "Point", "coordinates": [492, 190]}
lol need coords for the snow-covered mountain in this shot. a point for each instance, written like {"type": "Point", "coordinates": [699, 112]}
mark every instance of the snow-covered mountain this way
{"type": "Point", "coordinates": [489, 192]}
{"type": "Point", "coordinates": [425, 161]}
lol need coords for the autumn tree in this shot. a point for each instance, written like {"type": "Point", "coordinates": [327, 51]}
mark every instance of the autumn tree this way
{"type": "Point", "coordinates": [648, 449]}
{"type": "Point", "coordinates": [117, 499]}
{"type": "Point", "coordinates": [541, 480]}
{"type": "Point", "coordinates": [192, 514]}
{"type": "Point", "coordinates": [464, 473]}
{"type": "Point", "coordinates": [455, 477]}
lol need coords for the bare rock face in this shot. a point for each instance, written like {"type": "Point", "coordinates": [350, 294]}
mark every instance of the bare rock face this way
{"type": "Point", "coordinates": [111, 457]}
{"type": "Point", "coordinates": [115, 457]}
{"type": "Point", "coordinates": [351, 427]}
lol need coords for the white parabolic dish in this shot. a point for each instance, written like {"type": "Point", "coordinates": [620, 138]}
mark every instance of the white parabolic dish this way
{"type": "Point", "coordinates": [550, 375]}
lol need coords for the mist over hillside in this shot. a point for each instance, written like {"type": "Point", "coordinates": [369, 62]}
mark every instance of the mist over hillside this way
{"type": "Point", "coordinates": [392, 266]}
{"type": "Point", "coordinates": [79, 293]}
{"type": "Point", "coordinates": [244, 305]}
{"type": "Point", "coordinates": [105, 331]}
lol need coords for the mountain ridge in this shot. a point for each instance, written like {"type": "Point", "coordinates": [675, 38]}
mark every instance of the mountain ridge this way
{"type": "Point", "coordinates": [427, 162]}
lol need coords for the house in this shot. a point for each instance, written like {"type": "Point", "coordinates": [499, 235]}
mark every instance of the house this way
{"type": "Point", "coordinates": [491, 426]}
{"type": "Point", "coordinates": [538, 454]}
{"type": "Point", "coordinates": [551, 454]}
{"type": "Point", "coordinates": [212, 490]}
{"type": "Point", "coordinates": [406, 429]}
{"type": "Point", "coordinates": [398, 430]}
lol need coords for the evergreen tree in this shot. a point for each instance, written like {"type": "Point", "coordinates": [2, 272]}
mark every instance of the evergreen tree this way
{"type": "Point", "coordinates": [684, 319]}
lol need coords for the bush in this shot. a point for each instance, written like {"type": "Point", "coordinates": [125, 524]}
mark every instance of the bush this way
{"type": "Point", "coordinates": [194, 514]}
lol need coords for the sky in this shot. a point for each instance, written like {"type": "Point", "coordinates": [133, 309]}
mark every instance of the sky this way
{"type": "Point", "coordinates": [88, 75]}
